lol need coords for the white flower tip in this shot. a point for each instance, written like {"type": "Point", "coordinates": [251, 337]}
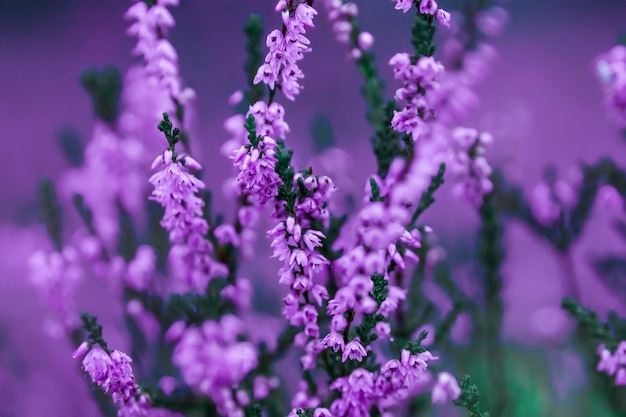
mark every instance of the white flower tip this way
{"type": "Point", "coordinates": [81, 350]}
{"type": "Point", "coordinates": [192, 163]}
{"type": "Point", "coordinates": [157, 161]}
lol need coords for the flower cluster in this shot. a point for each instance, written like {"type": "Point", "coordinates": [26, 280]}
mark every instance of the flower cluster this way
{"type": "Point", "coordinates": [341, 14]}
{"type": "Point", "coordinates": [417, 80]}
{"type": "Point", "coordinates": [362, 389]}
{"type": "Point", "coordinates": [151, 26]}
{"type": "Point", "coordinates": [383, 244]}
{"type": "Point", "coordinates": [446, 388]}
{"type": "Point", "coordinates": [428, 7]}
{"type": "Point", "coordinates": [611, 70]}
{"type": "Point", "coordinates": [55, 275]}
{"type": "Point", "coordinates": [213, 361]}
{"type": "Point", "coordinates": [287, 47]}
{"type": "Point", "coordinates": [111, 175]}
{"type": "Point", "coordinates": [295, 242]}
{"type": "Point", "coordinates": [469, 164]}
{"type": "Point", "coordinates": [112, 372]}
{"type": "Point", "coordinates": [549, 198]}
{"type": "Point", "coordinates": [257, 175]}
{"type": "Point", "coordinates": [269, 120]}
{"type": "Point", "coordinates": [613, 364]}
{"type": "Point", "coordinates": [175, 189]}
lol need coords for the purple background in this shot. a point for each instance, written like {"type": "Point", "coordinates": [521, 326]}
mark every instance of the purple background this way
{"type": "Point", "coordinates": [541, 102]}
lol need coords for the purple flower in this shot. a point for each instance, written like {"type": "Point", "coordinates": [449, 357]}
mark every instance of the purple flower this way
{"type": "Point", "coordinates": [140, 270]}
{"type": "Point", "coordinates": [611, 70]}
{"type": "Point", "coordinates": [417, 80]}
{"type": "Point", "coordinates": [97, 363]}
{"type": "Point", "coordinates": [257, 173]}
{"type": "Point", "coordinates": [469, 164]}
{"type": "Point", "coordinates": [446, 389]}
{"type": "Point", "coordinates": [354, 350]}
{"type": "Point", "coordinates": [55, 275]}
{"type": "Point", "coordinates": [334, 341]}
{"type": "Point", "coordinates": [280, 65]}
{"type": "Point", "coordinates": [403, 5]}
{"type": "Point", "coordinates": [212, 361]}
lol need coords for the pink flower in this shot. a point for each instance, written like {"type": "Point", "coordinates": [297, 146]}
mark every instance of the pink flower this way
{"type": "Point", "coordinates": [446, 389]}
{"type": "Point", "coordinates": [354, 350]}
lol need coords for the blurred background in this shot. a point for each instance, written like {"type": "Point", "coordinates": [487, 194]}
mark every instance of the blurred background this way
{"type": "Point", "coordinates": [541, 101]}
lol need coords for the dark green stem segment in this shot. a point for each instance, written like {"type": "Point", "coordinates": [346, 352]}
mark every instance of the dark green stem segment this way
{"type": "Point", "coordinates": [105, 89]}
{"type": "Point", "coordinates": [254, 41]}
{"type": "Point", "coordinates": [609, 333]}
{"type": "Point", "coordinates": [423, 34]}
{"type": "Point", "coordinates": [491, 257]}
{"type": "Point", "coordinates": [428, 196]}
{"type": "Point", "coordinates": [51, 211]}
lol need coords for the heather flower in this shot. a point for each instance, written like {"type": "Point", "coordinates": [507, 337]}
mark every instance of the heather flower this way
{"type": "Point", "coordinates": [141, 269]}
{"type": "Point", "coordinates": [543, 205]}
{"type": "Point", "coordinates": [403, 5]}
{"type": "Point", "coordinates": [176, 190]}
{"type": "Point", "coordinates": [111, 175]}
{"type": "Point", "coordinates": [257, 175]}
{"type": "Point", "coordinates": [55, 275]}
{"type": "Point", "coordinates": [334, 341]}
{"type": "Point", "coordinates": [354, 350]}
{"type": "Point", "coordinates": [469, 164]}
{"type": "Point", "coordinates": [446, 389]}
{"type": "Point", "coordinates": [112, 372]}
{"type": "Point", "coordinates": [611, 70]}
{"type": "Point", "coordinates": [611, 199]}
{"type": "Point", "coordinates": [151, 25]}
{"type": "Point", "coordinates": [613, 364]}
{"type": "Point", "coordinates": [97, 364]}
{"type": "Point", "coordinates": [339, 14]}
{"type": "Point", "coordinates": [213, 362]}
{"type": "Point", "coordinates": [417, 80]}
{"type": "Point", "coordinates": [287, 49]}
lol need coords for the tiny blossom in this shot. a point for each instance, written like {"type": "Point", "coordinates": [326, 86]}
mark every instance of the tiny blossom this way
{"type": "Point", "coordinates": [269, 120]}
{"type": "Point", "coordinates": [611, 71]}
{"type": "Point", "coordinates": [446, 389]}
{"type": "Point", "coordinates": [141, 269]}
{"type": "Point", "coordinates": [354, 350]}
{"type": "Point", "coordinates": [339, 14]}
{"type": "Point", "coordinates": [610, 199]}
{"type": "Point", "coordinates": [613, 364]}
{"type": "Point", "coordinates": [543, 205]}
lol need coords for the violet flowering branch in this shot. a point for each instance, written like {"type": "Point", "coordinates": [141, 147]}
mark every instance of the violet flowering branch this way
{"type": "Point", "coordinates": [176, 190]}
{"type": "Point", "coordinates": [287, 47]}
{"type": "Point", "coordinates": [152, 22]}
{"type": "Point", "coordinates": [111, 371]}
